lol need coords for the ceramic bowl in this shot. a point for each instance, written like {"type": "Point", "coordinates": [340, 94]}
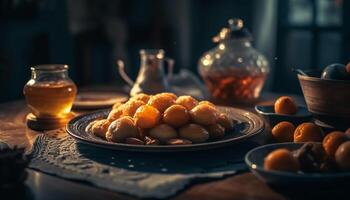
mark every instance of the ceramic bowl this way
{"type": "Point", "coordinates": [255, 161]}
{"type": "Point", "coordinates": [268, 113]}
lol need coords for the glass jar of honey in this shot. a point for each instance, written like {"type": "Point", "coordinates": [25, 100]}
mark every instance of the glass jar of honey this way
{"type": "Point", "coordinates": [50, 92]}
{"type": "Point", "coordinates": [234, 71]}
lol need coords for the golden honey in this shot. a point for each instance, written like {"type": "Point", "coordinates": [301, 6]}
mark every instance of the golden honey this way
{"type": "Point", "coordinates": [50, 100]}
{"type": "Point", "coordinates": [50, 93]}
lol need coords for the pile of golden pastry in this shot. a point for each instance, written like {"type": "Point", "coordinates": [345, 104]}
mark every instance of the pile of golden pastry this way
{"type": "Point", "coordinates": [162, 119]}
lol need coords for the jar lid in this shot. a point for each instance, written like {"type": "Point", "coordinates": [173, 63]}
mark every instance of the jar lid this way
{"type": "Point", "coordinates": [235, 30]}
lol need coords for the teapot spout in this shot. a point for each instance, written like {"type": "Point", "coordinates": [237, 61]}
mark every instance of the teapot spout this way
{"type": "Point", "coordinates": [121, 70]}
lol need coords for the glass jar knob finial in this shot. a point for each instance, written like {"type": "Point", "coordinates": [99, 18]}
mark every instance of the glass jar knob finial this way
{"type": "Point", "coordinates": [235, 24]}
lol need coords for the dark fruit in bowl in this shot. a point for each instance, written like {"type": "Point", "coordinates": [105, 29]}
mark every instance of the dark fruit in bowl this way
{"type": "Point", "coordinates": [335, 72]}
{"type": "Point", "coordinates": [342, 156]}
{"type": "Point", "coordinates": [311, 157]}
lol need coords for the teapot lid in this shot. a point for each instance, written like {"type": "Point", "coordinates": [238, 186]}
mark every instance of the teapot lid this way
{"type": "Point", "coordinates": [235, 30]}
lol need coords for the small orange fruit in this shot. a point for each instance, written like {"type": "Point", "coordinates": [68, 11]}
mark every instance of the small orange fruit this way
{"type": "Point", "coordinates": [283, 132]}
{"type": "Point", "coordinates": [348, 67]}
{"type": "Point", "coordinates": [281, 160]}
{"type": "Point", "coordinates": [286, 105]}
{"type": "Point", "coordinates": [308, 132]}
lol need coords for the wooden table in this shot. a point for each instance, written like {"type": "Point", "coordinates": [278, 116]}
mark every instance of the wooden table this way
{"type": "Point", "coordinates": [41, 186]}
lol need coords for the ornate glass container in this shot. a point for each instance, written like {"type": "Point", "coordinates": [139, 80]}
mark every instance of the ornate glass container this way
{"type": "Point", "coordinates": [233, 71]}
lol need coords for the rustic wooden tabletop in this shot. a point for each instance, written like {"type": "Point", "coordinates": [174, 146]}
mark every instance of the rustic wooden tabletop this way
{"type": "Point", "coordinates": [42, 186]}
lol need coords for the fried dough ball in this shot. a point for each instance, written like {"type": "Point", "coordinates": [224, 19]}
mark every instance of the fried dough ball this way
{"type": "Point", "coordinates": [115, 114]}
{"type": "Point", "coordinates": [147, 116]}
{"type": "Point", "coordinates": [121, 129]}
{"type": "Point", "coordinates": [170, 94]}
{"type": "Point", "coordinates": [131, 106]}
{"type": "Point", "coordinates": [204, 114]}
{"type": "Point", "coordinates": [89, 126]}
{"type": "Point", "coordinates": [225, 121]}
{"type": "Point", "coordinates": [116, 105]}
{"type": "Point", "coordinates": [206, 102]}
{"type": "Point", "coordinates": [194, 133]}
{"type": "Point", "coordinates": [283, 132]}
{"type": "Point", "coordinates": [163, 133]}
{"type": "Point", "coordinates": [286, 105]}
{"type": "Point", "coordinates": [141, 97]}
{"type": "Point", "coordinates": [216, 131]}
{"type": "Point", "coordinates": [161, 101]}
{"type": "Point", "coordinates": [187, 101]}
{"type": "Point", "coordinates": [332, 141]}
{"type": "Point", "coordinates": [281, 160]}
{"type": "Point", "coordinates": [308, 132]}
{"type": "Point", "coordinates": [176, 115]}
{"type": "Point", "coordinates": [100, 127]}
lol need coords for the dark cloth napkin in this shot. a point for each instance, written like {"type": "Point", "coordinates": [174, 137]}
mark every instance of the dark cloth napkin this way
{"type": "Point", "coordinates": [146, 175]}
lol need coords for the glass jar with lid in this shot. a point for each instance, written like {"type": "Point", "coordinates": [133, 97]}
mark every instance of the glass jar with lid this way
{"type": "Point", "coordinates": [234, 71]}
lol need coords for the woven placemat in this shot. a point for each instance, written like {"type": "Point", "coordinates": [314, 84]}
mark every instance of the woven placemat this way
{"type": "Point", "coordinates": [146, 175]}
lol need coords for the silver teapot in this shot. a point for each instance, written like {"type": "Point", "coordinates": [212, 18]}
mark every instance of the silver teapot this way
{"type": "Point", "coordinates": [151, 78]}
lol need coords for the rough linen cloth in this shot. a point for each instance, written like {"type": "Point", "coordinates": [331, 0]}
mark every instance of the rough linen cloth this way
{"type": "Point", "coordinates": [146, 175]}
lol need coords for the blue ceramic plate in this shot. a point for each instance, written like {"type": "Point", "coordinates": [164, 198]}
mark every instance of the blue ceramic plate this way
{"type": "Point", "coordinates": [268, 112]}
{"type": "Point", "coordinates": [255, 161]}
{"type": "Point", "coordinates": [249, 125]}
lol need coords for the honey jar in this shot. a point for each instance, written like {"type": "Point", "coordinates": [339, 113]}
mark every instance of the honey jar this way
{"type": "Point", "coordinates": [50, 92]}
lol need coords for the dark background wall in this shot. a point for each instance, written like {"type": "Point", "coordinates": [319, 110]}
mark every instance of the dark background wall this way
{"type": "Point", "coordinates": [90, 35]}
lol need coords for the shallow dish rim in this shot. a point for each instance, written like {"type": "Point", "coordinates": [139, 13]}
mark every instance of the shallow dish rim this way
{"type": "Point", "coordinates": [255, 167]}
{"type": "Point", "coordinates": [309, 114]}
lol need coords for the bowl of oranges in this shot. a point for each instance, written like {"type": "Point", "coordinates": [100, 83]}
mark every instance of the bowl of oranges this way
{"type": "Point", "coordinates": [310, 159]}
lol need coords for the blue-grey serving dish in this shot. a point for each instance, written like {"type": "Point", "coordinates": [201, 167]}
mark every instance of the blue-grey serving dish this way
{"type": "Point", "coordinates": [268, 112]}
{"type": "Point", "coordinates": [255, 161]}
{"type": "Point", "coordinates": [249, 125]}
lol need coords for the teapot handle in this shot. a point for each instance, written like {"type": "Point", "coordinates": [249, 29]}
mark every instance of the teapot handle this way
{"type": "Point", "coordinates": [170, 65]}
{"type": "Point", "coordinates": [121, 69]}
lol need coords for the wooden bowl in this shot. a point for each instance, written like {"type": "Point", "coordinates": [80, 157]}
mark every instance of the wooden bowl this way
{"type": "Point", "coordinates": [327, 100]}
